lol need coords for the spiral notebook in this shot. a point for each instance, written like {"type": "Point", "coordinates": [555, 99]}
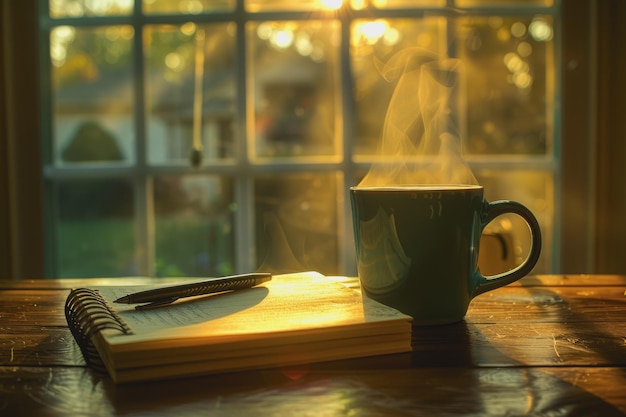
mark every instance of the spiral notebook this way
{"type": "Point", "coordinates": [292, 319]}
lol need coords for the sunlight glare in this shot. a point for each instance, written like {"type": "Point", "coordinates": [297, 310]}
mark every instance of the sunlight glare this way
{"type": "Point", "coordinates": [264, 31]}
{"type": "Point", "coordinates": [58, 53]}
{"type": "Point", "coordinates": [174, 61]}
{"type": "Point", "coordinates": [374, 30]}
{"type": "Point", "coordinates": [518, 29]}
{"type": "Point", "coordinates": [303, 44]}
{"type": "Point", "coordinates": [188, 29]}
{"type": "Point", "coordinates": [371, 32]}
{"type": "Point", "coordinates": [331, 4]}
{"type": "Point", "coordinates": [522, 80]}
{"type": "Point", "coordinates": [540, 30]}
{"type": "Point", "coordinates": [524, 49]}
{"type": "Point", "coordinates": [65, 34]}
{"type": "Point", "coordinates": [60, 38]}
{"type": "Point", "coordinates": [392, 37]}
{"type": "Point", "coordinates": [282, 39]}
{"type": "Point", "coordinates": [513, 62]}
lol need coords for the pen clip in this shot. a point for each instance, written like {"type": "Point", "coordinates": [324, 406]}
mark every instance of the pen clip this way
{"type": "Point", "coordinates": [156, 303]}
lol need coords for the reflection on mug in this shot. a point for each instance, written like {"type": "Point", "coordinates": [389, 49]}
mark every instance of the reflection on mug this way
{"type": "Point", "coordinates": [382, 258]}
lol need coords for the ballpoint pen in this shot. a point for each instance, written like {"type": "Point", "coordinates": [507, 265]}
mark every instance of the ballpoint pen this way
{"type": "Point", "coordinates": [166, 295]}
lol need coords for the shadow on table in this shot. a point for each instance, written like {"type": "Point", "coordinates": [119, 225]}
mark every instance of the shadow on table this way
{"type": "Point", "coordinates": [495, 383]}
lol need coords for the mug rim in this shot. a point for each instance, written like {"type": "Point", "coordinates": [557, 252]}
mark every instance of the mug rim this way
{"type": "Point", "coordinates": [418, 187]}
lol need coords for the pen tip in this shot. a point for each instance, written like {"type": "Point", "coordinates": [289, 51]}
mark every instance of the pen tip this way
{"type": "Point", "coordinates": [123, 299]}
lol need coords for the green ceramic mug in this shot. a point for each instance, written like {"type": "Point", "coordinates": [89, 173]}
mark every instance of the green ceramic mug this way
{"type": "Point", "coordinates": [417, 247]}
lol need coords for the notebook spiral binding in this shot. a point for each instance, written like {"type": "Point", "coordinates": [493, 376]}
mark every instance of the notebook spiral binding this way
{"type": "Point", "coordinates": [87, 313]}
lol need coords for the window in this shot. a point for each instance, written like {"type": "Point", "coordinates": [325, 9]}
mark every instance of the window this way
{"type": "Point", "coordinates": [157, 166]}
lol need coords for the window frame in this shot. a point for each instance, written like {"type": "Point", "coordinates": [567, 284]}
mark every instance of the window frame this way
{"type": "Point", "coordinates": [21, 201]}
{"type": "Point", "coordinates": [575, 119]}
{"type": "Point", "coordinates": [244, 168]}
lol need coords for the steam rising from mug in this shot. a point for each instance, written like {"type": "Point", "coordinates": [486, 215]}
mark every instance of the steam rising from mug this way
{"type": "Point", "coordinates": [421, 141]}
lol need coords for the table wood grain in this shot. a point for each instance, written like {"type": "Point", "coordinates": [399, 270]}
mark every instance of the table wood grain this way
{"type": "Point", "coordinates": [549, 345]}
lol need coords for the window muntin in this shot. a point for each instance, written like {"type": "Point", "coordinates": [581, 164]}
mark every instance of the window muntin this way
{"type": "Point", "coordinates": [250, 170]}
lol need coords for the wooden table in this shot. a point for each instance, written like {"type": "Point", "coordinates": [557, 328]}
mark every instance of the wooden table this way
{"type": "Point", "coordinates": [547, 345]}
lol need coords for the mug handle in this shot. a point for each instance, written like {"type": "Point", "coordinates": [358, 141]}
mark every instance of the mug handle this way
{"type": "Point", "coordinates": [491, 211]}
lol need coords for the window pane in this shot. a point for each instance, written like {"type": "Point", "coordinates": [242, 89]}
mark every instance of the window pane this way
{"type": "Point", "coordinates": [508, 66]}
{"type": "Point", "coordinates": [194, 233]}
{"type": "Point", "coordinates": [171, 53]}
{"type": "Point", "coordinates": [95, 233]}
{"type": "Point", "coordinates": [373, 42]}
{"type": "Point", "coordinates": [293, 77]}
{"type": "Point", "coordinates": [509, 70]}
{"type": "Point", "coordinates": [296, 222]}
{"type": "Point", "coordinates": [92, 95]}
{"type": "Point", "coordinates": [186, 6]}
{"type": "Point", "coordinates": [293, 115]}
{"type": "Point", "coordinates": [78, 8]}
{"type": "Point", "coordinates": [534, 189]}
